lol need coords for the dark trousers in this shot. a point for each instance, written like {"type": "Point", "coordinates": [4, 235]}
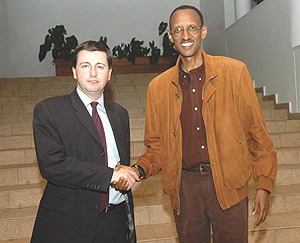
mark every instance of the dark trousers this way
{"type": "Point", "coordinates": [200, 211]}
{"type": "Point", "coordinates": [111, 226]}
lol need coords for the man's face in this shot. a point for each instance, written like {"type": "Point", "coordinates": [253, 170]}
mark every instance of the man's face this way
{"type": "Point", "coordinates": [187, 45]}
{"type": "Point", "coordinates": [92, 73]}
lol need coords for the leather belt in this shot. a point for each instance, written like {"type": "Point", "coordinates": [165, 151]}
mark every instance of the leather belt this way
{"type": "Point", "coordinates": [111, 207]}
{"type": "Point", "coordinates": [202, 168]}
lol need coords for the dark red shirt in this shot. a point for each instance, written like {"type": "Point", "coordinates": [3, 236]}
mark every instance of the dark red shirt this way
{"type": "Point", "coordinates": [193, 128]}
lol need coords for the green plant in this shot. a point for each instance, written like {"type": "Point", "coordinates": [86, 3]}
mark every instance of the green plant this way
{"type": "Point", "coordinates": [121, 50]}
{"type": "Point", "coordinates": [61, 47]}
{"type": "Point", "coordinates": [155, 53]}
{"type": "Point", "coordinates": [168, 47]}
{"type": "Point", "coordinates": [131, 51]}
{"type": "Point", "coordinates": [136, 50]}
{"type": "Point", "coordinates": [103, 40]}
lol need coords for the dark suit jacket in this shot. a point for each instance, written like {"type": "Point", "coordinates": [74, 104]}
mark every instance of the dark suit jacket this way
{"type": "Point", "coordinates": [71, 158]}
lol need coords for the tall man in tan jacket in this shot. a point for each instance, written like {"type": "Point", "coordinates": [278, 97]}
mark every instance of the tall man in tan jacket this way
{"type": "Point", "coordinates": [206, 133]}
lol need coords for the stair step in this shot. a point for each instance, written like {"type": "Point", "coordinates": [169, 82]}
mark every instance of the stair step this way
{"type": "Point", "coordinates": [17, 223]}
{"type": "Point", "coordinates": [160, 233]}
{"type": "Point", "coordinates": [278, 228]}
{"type": "Point", "coordinates": [283, 126]}
{"type": "Point", "coordinates": [137, 149]}
{"type": "Point", "coordinates": [285, 140]}
{"type": "Point", "coordinates": [288, 155]}
{"type": "Point", "coordinates": [17, 142]}
{"type": "Point", "coordinates": [20, 174]}
{"type": "Point", "coordinates": [21, 195]}
{"type": "Point", "coordinates": [26, 240]}
{"type": "Point", "coordinates": [288, 174]}
{"type": "Point", "coordinates": [273, 115]}
{"type": "Point", "coordinates": [17, 156]}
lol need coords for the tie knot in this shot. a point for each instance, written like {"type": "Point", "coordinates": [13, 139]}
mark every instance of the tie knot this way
{"type": "Point", "coordinates": [94, 104]}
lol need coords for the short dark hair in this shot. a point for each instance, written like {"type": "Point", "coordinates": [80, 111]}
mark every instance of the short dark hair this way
{"type": "Point", "coordinates": [187, 7]}
{"type": "Point", "coordinates": [92, 46]}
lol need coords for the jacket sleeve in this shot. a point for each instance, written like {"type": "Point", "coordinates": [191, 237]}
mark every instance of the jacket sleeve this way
{"type": "Point", "coordinates": [264, 156]}
{"type": "Point", "coordinates": [59, 166]}
{"type": "Point", "coordinates": [150, 161]}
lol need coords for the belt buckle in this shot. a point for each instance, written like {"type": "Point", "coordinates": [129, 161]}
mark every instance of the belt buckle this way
{"type": "Point", "coordinates": [107, 208]}
{"type": "Point", "coordinates": [201, 169]}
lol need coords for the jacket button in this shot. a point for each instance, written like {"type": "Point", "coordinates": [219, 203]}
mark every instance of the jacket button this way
{"type": "Point", "coordinates": [101, 154]}
{"type": "Point", "coordinates": [177, 96]}
{"type": "Point", "coordinates": [98, 187]}
{"type": "Point", "coordinates": [240, 141]}
{"type": "Point", "coordinates": [88, 185]}
{"type": "Point", "coordinates": [96, 206]}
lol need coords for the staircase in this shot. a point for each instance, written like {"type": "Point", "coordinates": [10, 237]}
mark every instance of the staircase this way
{"type": "Point", "coordinates": [21, 185]}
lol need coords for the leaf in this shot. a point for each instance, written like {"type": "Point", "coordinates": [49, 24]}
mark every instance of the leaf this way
{"type": "Point", "coordinates": [47, 43]}
{"type": "Point", "coordinates": [162, 27]}
{"type": "Point", "coordinates": [42, 53]}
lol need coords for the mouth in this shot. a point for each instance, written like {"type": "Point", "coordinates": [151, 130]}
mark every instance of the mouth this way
{"type": "Point", "coordinates": [93, 81]}
{"type": "Point", "coordinates": [186, 44]}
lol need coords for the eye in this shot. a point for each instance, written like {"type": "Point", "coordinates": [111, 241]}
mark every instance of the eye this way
{"type": "Point", "coordinates": [192, 27]}
{"type": "Point", "coordinates": [100, 67]}
{"type": "Point", "coordinates": [84, 66]}
{"type": "Point", "coordinates": [177, 30]}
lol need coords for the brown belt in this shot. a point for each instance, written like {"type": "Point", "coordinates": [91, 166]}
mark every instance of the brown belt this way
{"type": "Point", "coordinates": [200, 168]}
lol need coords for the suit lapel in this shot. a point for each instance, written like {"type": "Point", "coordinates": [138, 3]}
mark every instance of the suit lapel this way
{"type": "Point", "coordinates": [84, 117]}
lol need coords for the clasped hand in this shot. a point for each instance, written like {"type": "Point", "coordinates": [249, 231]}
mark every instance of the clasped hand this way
{"type": "Point", "coordinates": [124, 177]}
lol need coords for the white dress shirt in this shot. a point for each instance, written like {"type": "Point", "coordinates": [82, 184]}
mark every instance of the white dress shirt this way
{"type": "Point", "coordinates": [115, 197]}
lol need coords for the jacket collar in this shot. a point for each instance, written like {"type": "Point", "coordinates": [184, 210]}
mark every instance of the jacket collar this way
{"type": "Point", "coordinates": [84, 117]}
{"type": "Point", "coordinates": [210, 74]}
{"type": "Point", "coordinates": [209, 69]}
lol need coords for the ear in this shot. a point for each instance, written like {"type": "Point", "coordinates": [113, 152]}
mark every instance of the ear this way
{"type": "Point", "coordinates": [74, 73]}
{"type": "Point", "coordinates": [170, 36]}
{"type": "Point", "coordinates": [109, 74]}
{"type": "Point", "coordinates": [203, 32]}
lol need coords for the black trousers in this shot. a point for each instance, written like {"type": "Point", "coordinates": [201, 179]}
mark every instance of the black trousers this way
{"type": "Point", "coordinates": [201, 212]}
{"type": "Point", "coordinates": [111, 226]}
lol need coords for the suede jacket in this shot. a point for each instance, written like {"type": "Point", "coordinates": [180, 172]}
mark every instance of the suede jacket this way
{"type": "Point", "coordinates": [237, 139]}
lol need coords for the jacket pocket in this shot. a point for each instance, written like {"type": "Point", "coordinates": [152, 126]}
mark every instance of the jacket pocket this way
{"type": "Point", "coordinates": [56, 204]}
{"type": "Point", "coordinates": [237, 171]}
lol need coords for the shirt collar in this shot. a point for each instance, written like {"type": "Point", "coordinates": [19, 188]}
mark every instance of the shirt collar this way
{"type": "Point", "coordinates": [87, 100]}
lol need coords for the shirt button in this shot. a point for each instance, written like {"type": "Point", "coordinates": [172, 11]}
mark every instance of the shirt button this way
{"type": "Point", "coordinates": [193, 90]}
{"type": "Point", "coordinates": [196, 108]}
{"type": "Point", "coordinates": [198, 128]}
{"type": "Point", "coordinates": [202, 147]}
{"type": "Point", "coordinates": [184, 76]}
{"type": "Point", "coordinates": [200, 79]}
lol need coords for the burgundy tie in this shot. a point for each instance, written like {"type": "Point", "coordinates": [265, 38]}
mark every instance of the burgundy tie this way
{"type": "Point", "coordinates": [96, 118]}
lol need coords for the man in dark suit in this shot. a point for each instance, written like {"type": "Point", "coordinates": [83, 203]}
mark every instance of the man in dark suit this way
{"type": "Point", "coordinates": [80, 138]}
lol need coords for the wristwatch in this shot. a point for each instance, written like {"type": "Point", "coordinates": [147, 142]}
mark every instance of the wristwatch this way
{"type": "Point", "coordinates": [140, 170]}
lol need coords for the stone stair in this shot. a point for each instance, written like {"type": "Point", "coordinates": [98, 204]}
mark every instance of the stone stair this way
{"type": "Point", "coordinates": [21, 185]}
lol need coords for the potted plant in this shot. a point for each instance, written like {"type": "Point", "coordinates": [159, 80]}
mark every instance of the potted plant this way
{"type": "Point", "coordinates": [62, 48]}
{"type": "Point", "coordinates": [131, 58]}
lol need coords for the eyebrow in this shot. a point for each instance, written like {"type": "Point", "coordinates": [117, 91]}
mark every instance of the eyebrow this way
{"type": "Point", "coordinates": [101, 63]}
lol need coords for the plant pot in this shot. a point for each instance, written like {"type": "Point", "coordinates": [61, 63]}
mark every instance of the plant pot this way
{"type": "Point", "coordinates": [123, 66]}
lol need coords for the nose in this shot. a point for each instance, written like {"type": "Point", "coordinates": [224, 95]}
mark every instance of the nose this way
{"type": "Point", "coordinates": [185, 34]}
{"type": "Point", "coordinates": [93, 72]}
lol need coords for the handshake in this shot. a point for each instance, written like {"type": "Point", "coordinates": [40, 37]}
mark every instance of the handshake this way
{"type": "Point", "coordinates": [124, 177]}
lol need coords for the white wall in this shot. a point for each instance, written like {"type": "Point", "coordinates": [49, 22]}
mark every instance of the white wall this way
{"type": "Point", "coordinates": [213, 14]}
{"type": "Point", "coordinates": [263, 40]}
{"type": "Point", "coordinates": [24, 25]}
{"type": "Point", "coordinates": [295, 26]}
